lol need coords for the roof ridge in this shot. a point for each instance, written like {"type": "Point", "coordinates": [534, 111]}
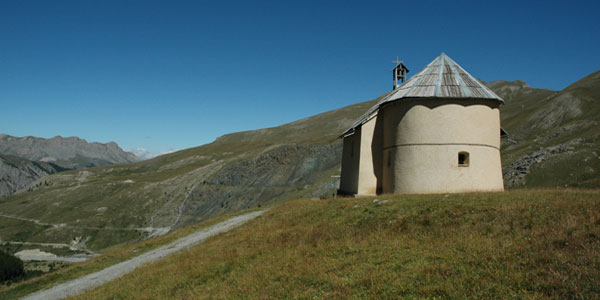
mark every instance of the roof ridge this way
{"type": "Point", "coordinates": [438, 83]}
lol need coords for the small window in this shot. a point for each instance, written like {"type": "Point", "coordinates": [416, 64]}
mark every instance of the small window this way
{"type": "Point", "coordinates": [463, 159]}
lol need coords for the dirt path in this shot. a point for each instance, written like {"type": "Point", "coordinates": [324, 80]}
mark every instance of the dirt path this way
{"type": "Point", "coordinates": [76, 286]}
{"type": "Point", "coordinates": [152, 230]}
{"type": "Point", "coordinates": [30, 220]}
{"type": "Point", "coordinates": [53, 245]}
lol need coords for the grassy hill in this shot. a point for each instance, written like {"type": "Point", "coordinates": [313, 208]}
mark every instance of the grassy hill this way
{"type": "Point", "coordinates": [553, 142]}
{"type": "Point", "coordinates": [520, 244]}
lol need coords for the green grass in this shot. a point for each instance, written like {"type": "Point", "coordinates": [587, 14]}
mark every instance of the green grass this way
{"type": "Point", "coordinates": [113, 256]}
{"type": "Point", "coordinates": [521, 244]}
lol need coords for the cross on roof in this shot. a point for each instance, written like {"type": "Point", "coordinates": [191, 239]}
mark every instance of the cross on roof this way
{"type": "Point", "coordinates": [397, 61]}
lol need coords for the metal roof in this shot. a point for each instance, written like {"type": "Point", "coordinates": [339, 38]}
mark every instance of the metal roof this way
{"type": "Point", "coordinates": [441, 78]}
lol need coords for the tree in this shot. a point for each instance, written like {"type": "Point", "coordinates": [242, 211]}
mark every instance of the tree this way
{"type": "Point", "coordinates": [10, 266]}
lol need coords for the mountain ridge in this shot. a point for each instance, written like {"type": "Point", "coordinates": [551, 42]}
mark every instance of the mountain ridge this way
{"type": "Point", "coordinates": [63, 150]}
{"type": "Point", "coordinates": [24, 160]}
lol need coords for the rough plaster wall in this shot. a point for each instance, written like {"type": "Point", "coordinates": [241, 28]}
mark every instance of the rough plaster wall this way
{"type": "Point", "coordinates": [421, 143]}
{"type": "Point", "coordinates": [434, 169]}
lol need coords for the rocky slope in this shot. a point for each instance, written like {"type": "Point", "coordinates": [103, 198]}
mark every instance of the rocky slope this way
{"type": "Point", "coordinates": [552, 142]}
{"type": "Point", "coordinates": [554, 139]}
{"type": "Point", "coordinates": [26, 159]}
{"type": "Point", "coordinates": [16, 173]}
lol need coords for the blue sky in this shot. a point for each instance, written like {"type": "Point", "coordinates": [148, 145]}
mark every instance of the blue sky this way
{"type": "Point", "coordinates": [168, 75]}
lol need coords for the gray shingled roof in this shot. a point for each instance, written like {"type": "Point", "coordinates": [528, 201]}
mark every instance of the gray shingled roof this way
{"type": "Point", "coordinates": [441, 78]}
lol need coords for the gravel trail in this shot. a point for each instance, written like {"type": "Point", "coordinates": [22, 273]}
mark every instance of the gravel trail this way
{"type": "Point", "coordinates": [76, 286]}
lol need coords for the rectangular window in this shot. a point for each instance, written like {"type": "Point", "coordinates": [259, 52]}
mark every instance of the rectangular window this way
{"type": "Point", "coordinates": [463, 159]}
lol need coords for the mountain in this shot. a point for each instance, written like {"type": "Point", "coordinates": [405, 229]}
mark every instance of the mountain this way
{"type": "Point", "coordinates": [16, 172]}
{"type": "Point", "coordinates": [553, 135]}
{"type": "Point", "coordinates": [26, 159]}
{"type": "Point", "coordinates": [552, 142]}
{"type": "Point", "coordinates": [71, 152]}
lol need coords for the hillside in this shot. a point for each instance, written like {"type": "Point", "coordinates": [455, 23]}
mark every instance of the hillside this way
{"type": "Point", "coordinates": [23, 160]}
{"type": "Point", "coordinates": [111, 205]}
{"type": "Point", "coordinates": [554, 139]}
{"type": "Point", "coordinates": [552, 142]}
{"type": "Point", "coordinates": [521, 244]}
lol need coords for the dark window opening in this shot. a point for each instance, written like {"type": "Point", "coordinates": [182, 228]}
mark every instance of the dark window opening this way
{"type": "Point", "coordinates": [352, 150]}
{"type": "Point", "coordinates": [463, 159]}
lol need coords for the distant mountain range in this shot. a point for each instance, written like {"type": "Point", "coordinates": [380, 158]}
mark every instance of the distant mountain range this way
{"type": "Point", "coordinates": [553, 142]}
{"type": "Point", "coordinates": [26, 159]}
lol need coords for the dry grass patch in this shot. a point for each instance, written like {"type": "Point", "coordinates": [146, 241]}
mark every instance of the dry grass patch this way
{"type": "Point", "coordinates": [514, 245]}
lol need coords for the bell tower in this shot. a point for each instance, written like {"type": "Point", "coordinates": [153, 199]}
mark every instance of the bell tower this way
{"type": "Point", "coordinates": [399, 71]}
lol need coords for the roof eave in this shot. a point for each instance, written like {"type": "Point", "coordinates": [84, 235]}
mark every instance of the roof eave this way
{"type": "Point", "coordinates": [350, 131]}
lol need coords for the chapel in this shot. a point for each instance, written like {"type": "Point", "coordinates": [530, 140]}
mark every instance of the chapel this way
{"type": "Point", "coordinates": [437, 132]}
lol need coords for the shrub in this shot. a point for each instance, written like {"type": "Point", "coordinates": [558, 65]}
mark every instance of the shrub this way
{"type": "Point", "coordinates": [10, 266]}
